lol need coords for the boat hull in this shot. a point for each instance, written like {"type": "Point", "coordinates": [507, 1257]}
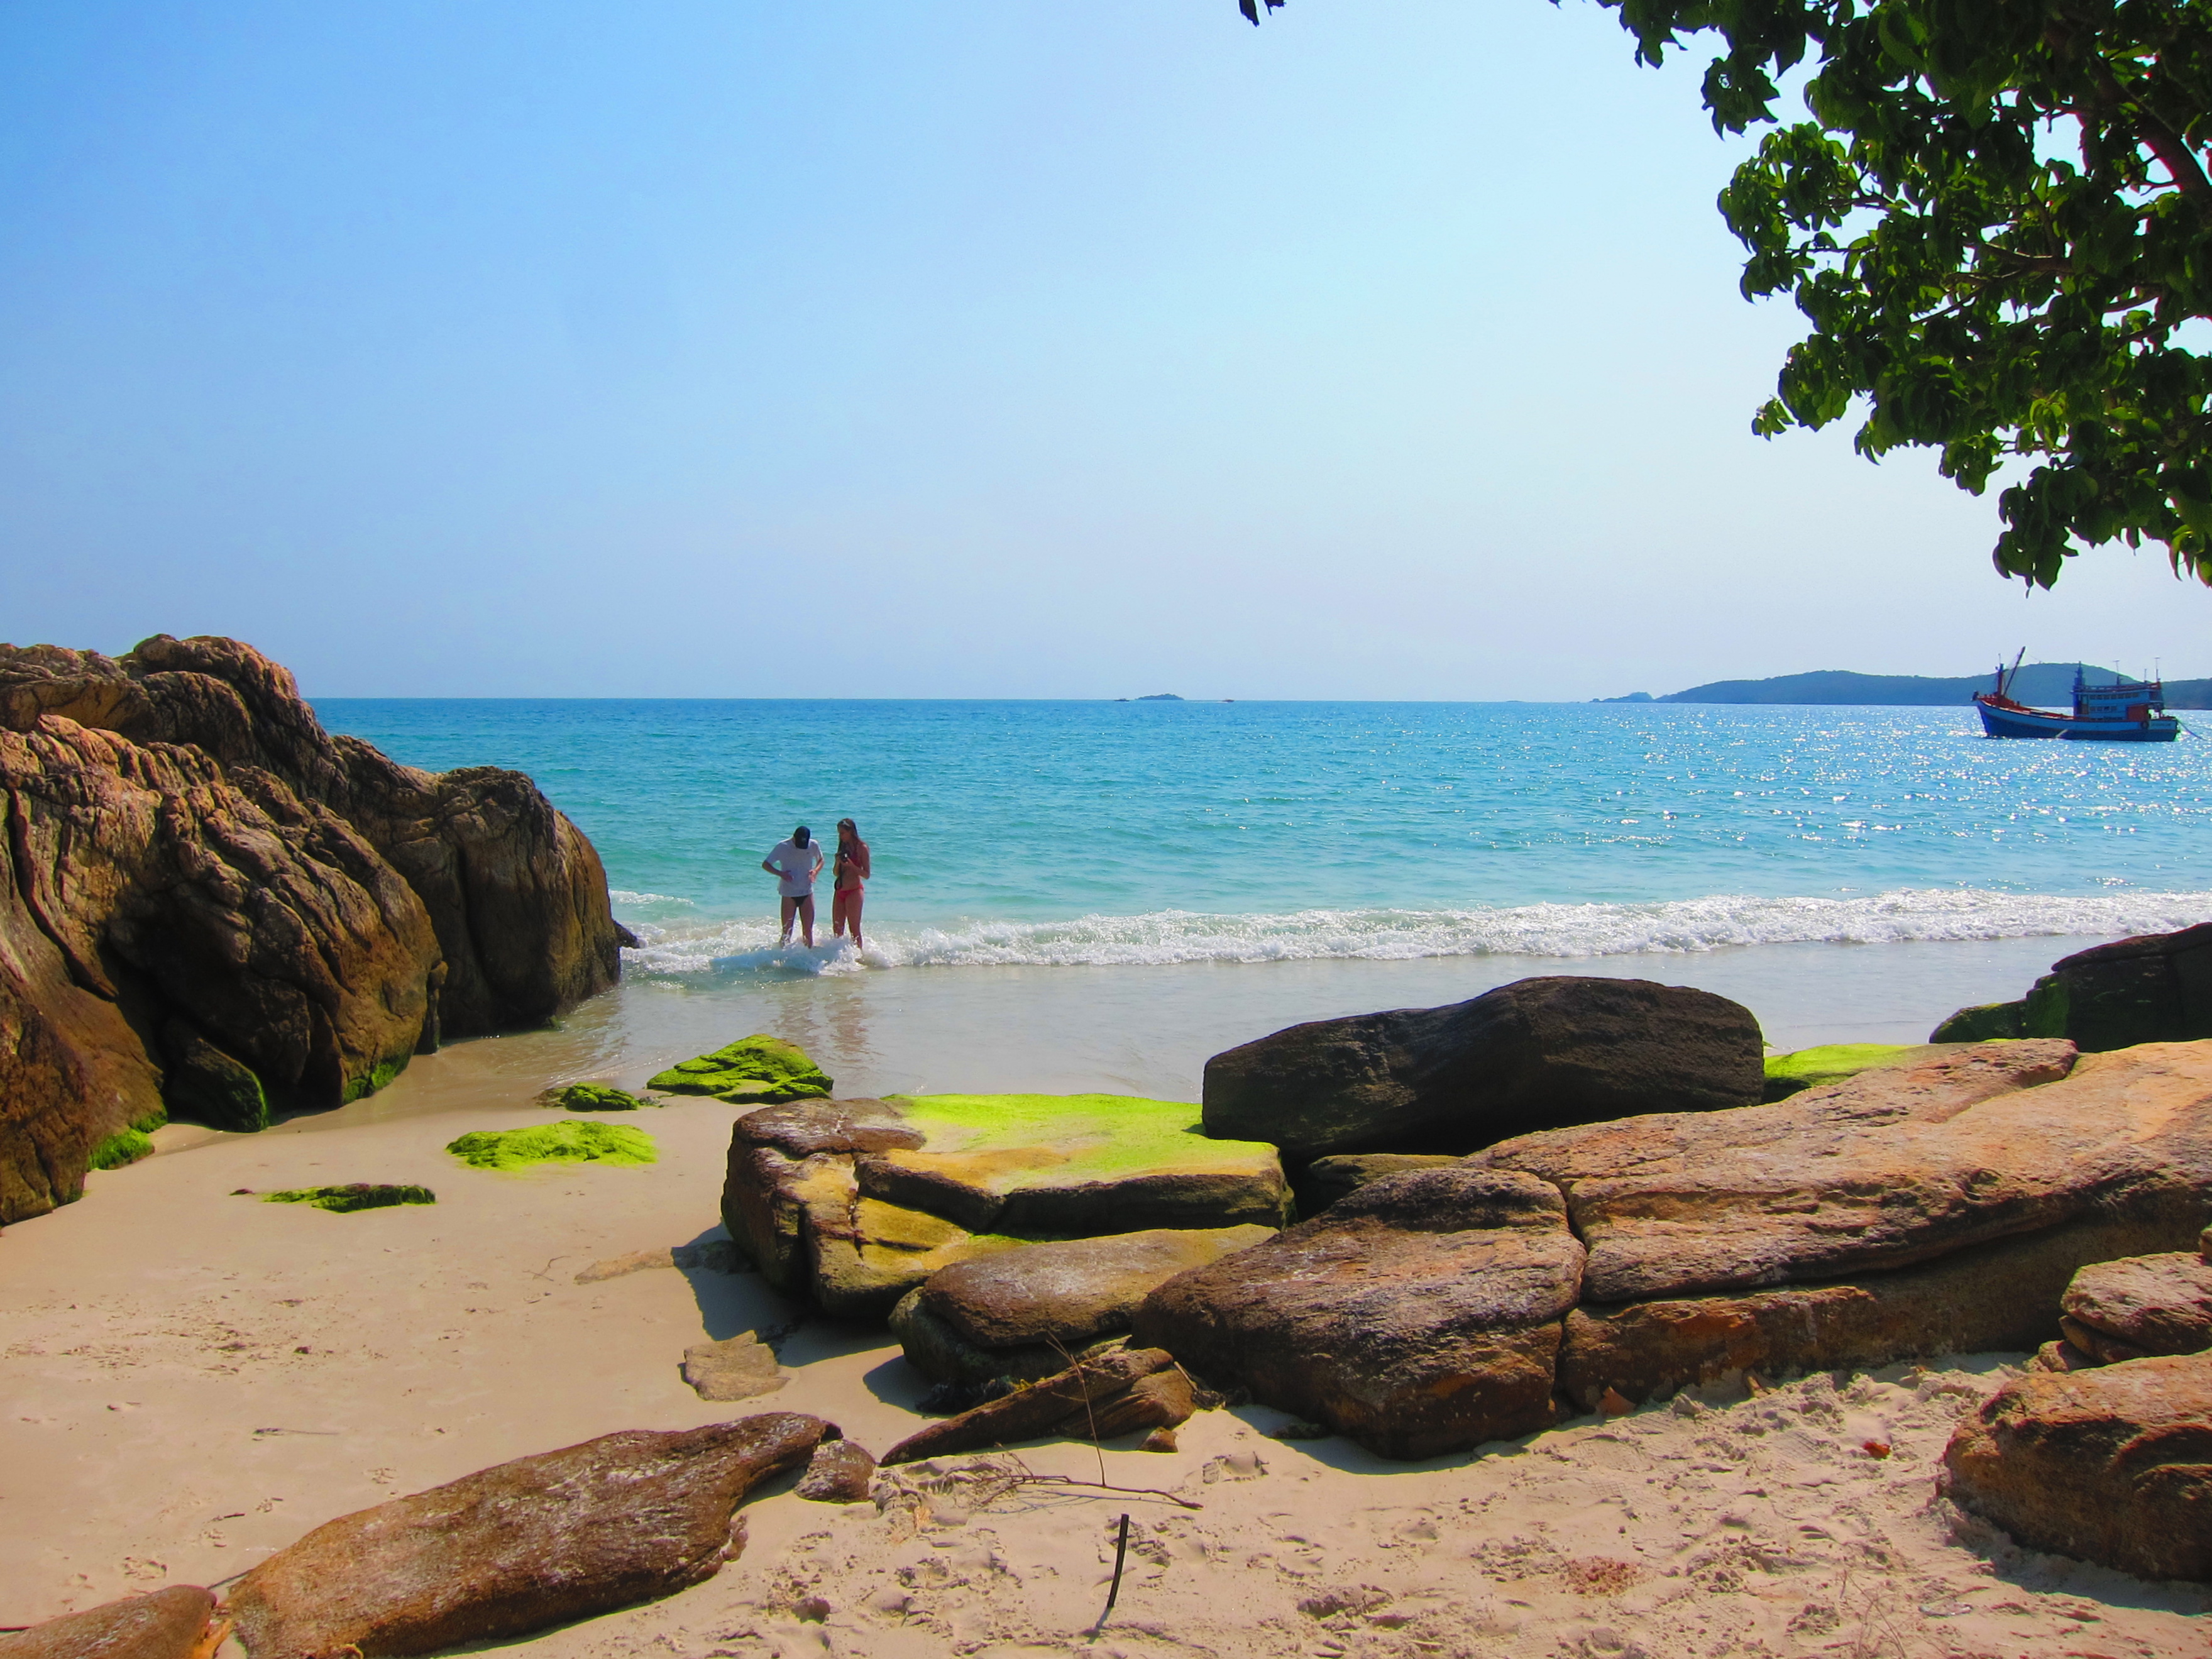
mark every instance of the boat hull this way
{"type": "Point", "coordinates": [2034, 723]}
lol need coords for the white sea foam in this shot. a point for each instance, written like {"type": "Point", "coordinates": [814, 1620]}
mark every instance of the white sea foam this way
{"type": "Point", "coordinates": [1538, 930]}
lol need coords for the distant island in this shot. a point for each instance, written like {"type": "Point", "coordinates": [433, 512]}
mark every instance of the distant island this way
{"type": "Point", "coordinates": [2041, 684]}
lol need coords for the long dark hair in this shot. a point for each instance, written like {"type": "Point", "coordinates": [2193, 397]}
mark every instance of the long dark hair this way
{"type": "Point", "coordinates": [848, 839]}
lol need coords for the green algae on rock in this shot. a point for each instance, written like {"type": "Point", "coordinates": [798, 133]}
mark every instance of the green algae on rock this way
{"type": "Point", "coordinates": [358, 1195]}
{"type": "Point", "coordinates": [1808, 1069]}
{"type": "Point", "coordinates": [590, 1097]}
{"type": "Point", "coordinates": [554, 1143]}
{"type": "Point", "coordinates": [756, 1071]}
{"type": "Point", "coordinates": [124, 1146]}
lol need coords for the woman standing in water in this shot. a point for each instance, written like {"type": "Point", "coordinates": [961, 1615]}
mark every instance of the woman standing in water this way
{"type": "Point", "coordinates": [852, 872]}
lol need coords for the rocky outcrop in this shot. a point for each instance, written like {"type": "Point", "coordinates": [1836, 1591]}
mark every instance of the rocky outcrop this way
{"type": "Point", "coordinates": [2156, 988]}
{"type": "Point", "coordinates": [1903, 1213]}
{"type": "Point", "coordinates": [168, 1624]}
{"type": "Point", "coordinates": [852, 1203]}
{"type": "Point", "coordinates": [1099, 1398]}
{"type": "Point", "coordinates": [626, 1518]}
{"type": "Point", "coordinates": [2111, 1465]}
{"type": "Point", "coordinates": [1420, 1315]}
{"type": "Point", "coordinates": [210, 906]}
{"type": "Point", "coordinates": [1023, 1313]}
{"type": "Point", "coordinates": [2140, 1305]}
{"type": "Point", "coordinates": [1530, 1055]}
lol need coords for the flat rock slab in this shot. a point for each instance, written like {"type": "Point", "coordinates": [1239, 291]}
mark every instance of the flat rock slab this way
{"type": "Point", "coordinates": [2112, 1464]}
{"type": "Point", "coordinates": [1886, 1170]}
{"type": "Point", "coordinates": [2140, 1305]}
{"type": "Point", "coordinates": [855, 1203]}
{"type": "Point", "coordinates": [626, 1518]}
{"type": "Point", "coordinates": [166, 1625]}
{"type": "Point", "coordinates": [741, 1367]}
{"type": "Point", "coordinates": [1530, 1055]}
{"type": "Point", "coordinates": [1835, 1062]}
{"type": "Point", "coordinates": [1419, 1315]}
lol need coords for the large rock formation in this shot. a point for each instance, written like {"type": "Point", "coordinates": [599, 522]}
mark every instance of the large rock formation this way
{"type": "Point", "coordinates": [2111, 1465]}
{"type": "Point", "coordinates": [209, 906]}
{"type": "Point", "coordinates": [856, 1202]}
{"type": "Point", "coordinates": [1533, 1054]}
{"type": "Point", "coordinates": [2156, 988]}
{"type": "Point", "coordinates": [1902, 1213]}
{"type": "Point", "coordinates": [626, 1518]}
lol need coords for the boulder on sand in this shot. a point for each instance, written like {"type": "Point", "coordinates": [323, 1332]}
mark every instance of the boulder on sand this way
{"type": "Point", "coordinates": [1534, 1055]}
{"type": "Point", "coordinates": [1419, 1315]}
{"type": "Point", "coordinates": [167, 1625]}
{"type": "Point", "coordinates": [214, 907]}
{"type": "Point", "coordinates": [2111, 1465]}
{"type": "Point", "coordinates": [2156, 988]}
{"type": "Point", "coordinates": [2138, 1306]}
{"type": "Point", "coordinates": [626, 1518]}
{"type": "Point", "coordinates": [756, 1071]}
{"type": "Point", "coordinates": [1097, 1398]}
{"type": "Point", "coordinates": [855, 1203]}
{"type": "Point", "coordinates": [1023, 1313]}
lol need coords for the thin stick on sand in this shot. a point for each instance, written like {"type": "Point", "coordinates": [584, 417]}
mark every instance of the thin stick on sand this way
{"type": "Point", "coordinates": [1114, 1591]}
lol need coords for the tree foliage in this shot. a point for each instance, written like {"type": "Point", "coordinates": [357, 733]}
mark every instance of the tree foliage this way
{"type": "Point", "coordinates": [1998, 221]}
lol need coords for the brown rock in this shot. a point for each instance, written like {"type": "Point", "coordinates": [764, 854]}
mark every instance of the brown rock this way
{"type": "Point", "coordinates": [1074, 1292]}
{"type": "Point", "coordinates": [1042, 1408]}
{"type": "Point", "coordinates": [166, 1625]}
{"type": "Point", "coordinates": [626, 1518]}
{"type": "Point", "coordinates": [1995, 1297]}
{"type": "Point", "coordinates": [1886, 1170]}
{"type": "Point", "coordinates": [1419, 1315]}
{"type": "Point", "coordinates": [203, 883]}
{"type": "Point", "coordinates": [2146, 1304]}
{"type": "Point", "coordinates": [1328, 1179]}
{"type": "Point", "coordinates": [2111, 1465]}
{"type": "Point", "coordinates": [742, 1367]}
{"type": "Point", "coordinates": [1164, 1399]}
{"type": "Point", "coordinates": [839, 1471]}
{"type": "Point", "coordinates": [1529, 1055]}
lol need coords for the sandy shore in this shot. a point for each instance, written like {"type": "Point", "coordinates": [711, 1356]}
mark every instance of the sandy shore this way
{"type": "Point", "coordinates": [192, 1379]}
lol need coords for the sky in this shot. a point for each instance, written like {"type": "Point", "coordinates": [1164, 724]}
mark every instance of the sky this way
{"type": "Point", "coordinates": [722, 348]}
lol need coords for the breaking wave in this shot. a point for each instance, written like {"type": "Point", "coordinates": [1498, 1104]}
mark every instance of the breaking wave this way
{"type": "Point", "coordinates": [1537, 930]}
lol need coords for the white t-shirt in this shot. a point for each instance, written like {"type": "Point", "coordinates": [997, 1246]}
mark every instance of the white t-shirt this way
{"type": "Point", "coordinates": [796, 865]}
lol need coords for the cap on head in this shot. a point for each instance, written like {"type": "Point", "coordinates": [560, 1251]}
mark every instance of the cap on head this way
{"type": "Point", "coordinates": [798, 837]}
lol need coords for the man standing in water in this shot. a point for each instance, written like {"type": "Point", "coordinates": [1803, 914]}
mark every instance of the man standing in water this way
{"type": "Point", "coordinates": [794, 864]}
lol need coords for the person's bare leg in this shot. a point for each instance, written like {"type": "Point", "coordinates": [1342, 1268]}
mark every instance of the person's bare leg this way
{"type": "Point", "coordinates": [838, 913]}
{"type": "Point", "coordinates": [790, 909]}
{"type": "Point", "coordinates": [853, 909]}
{"type": "Point", "coordinates": [806, 918]}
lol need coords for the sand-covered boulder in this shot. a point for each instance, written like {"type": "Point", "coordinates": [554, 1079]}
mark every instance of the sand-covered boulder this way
{"type": "Point", "coordinates": [756, 1071]}
{"type": "Point", "coordinates": [167, 1624]}
{"type": "Point", "coordinates": [2138, 1306]}
{"type": "Point", "coordinates": [2112, 1464]}
{"type": "Point", "coordinates": [2156, 988]}
{"type": "Point", "coordinates": [1099, 1398]}
{"type": "Point", "coordinates": [625, 1519]}
{"type": "Point", "coordinates": [1420, 1315]}
{"type": "Point", "coordinates": [855, 1203]}
{"type": "Point", "coordinates": [1024, 1313]}
{"type": "Point", "coordinates": [215, 907]}
{"type": "Point", "coordinates": [1529, 1055]}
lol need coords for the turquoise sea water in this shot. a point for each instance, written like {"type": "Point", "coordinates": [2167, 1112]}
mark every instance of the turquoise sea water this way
{"type": "Point", "coordinates": [1006, 834]}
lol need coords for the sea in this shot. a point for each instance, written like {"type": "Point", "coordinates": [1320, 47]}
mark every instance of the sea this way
{"type": "Point", "coordinates": [1098, 894]}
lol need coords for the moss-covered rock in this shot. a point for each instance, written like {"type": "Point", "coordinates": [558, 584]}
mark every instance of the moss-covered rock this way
{"type": "Point", "coordinates": [755, 1071]}
{"type": "Point", "coordinates": [1985, 1022]}
{"type": "Point", "coordinates": [357, 1195]}
{"type": "Point", "coordinates": [124, 1146]}
{"type": "Point", "coordinates": [554, 1143]}
{"type": "Point", "coordinates": [203, 1085]}
{"type": "Point", "coordinates": [590, 1097]}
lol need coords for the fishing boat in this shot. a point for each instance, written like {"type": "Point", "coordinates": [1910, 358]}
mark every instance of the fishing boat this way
{"type": "Point", "coordinates": [2128, 711]}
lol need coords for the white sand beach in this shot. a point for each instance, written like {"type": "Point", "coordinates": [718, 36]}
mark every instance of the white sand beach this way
{"type": "Point", "coordinates": [194, 1378]}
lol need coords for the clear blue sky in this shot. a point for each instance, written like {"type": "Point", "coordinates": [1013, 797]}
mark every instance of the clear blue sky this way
{"type": "Point", "coordinates": [724, 348]}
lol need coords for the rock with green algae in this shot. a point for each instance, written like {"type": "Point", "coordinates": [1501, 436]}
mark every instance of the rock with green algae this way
{"type": "Point", "coordinates": [357, 1195]}
{"type": "Point", "coordinates": [756, 1071]}
{"type": "Point", "coordinates": [590, 1097]}
{"type": "Point", "coordinates": [1808, 1069]}
{"type": "Point", "coordinates": [203, 1084]}
{"type": "Point", "coordinates": [554, 1143]}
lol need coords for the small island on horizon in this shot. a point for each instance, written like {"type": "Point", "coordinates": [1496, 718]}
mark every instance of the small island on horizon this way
{"type": "Point", "coordinates": [2040, 683]}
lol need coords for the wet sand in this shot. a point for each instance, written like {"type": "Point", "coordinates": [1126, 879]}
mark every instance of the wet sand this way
{"type": "Point", "coordinates": [192, 1379]}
